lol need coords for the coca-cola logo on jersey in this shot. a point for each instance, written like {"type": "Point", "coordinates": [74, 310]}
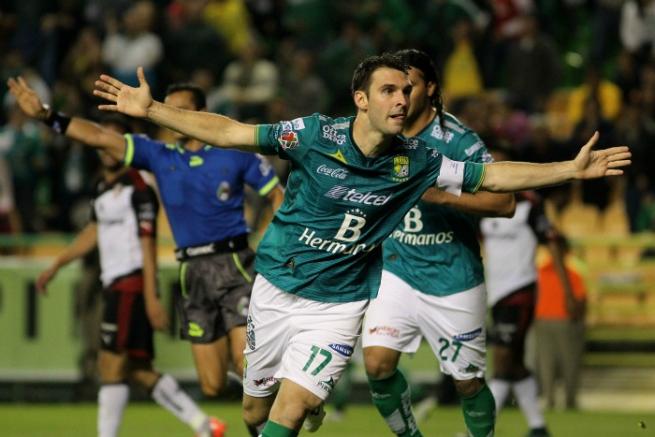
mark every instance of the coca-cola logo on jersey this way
{"type": "Point", "coordinates": [337, 173]}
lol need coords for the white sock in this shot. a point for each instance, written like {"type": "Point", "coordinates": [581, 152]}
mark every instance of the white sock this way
{"type": "Point", "coordinates": [112, 399]}
{"type": "Point", "coordinates": [500, 389]}
{"type": "Point", "coordinates": [525, 391]}
{"type": "Point", "coordinates": [169, 395]}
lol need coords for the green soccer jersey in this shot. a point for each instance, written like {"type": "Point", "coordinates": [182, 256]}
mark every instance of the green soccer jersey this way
{"type": "Point", "coordinates": [324, 243]}
{"type": "Point", "coordinates": [435, 248]}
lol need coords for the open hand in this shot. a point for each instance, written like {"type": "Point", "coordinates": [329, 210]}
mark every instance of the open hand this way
{"type": "Point", "coordinates": [27, 99]}
{"type": "Point", "coordinates": [600, 163]}
{"type": "Point", "coordinates": [156, 314]}
{"type": "Point", "coordinates": [44, 278]}
{"type": "Point", "coordinates": [126, 99]}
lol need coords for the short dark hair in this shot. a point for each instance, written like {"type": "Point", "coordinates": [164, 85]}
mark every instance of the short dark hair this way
{"type": "Point", "coordinates": [366, 68]}
{"type": "Point", "coordinates": [198, 95]}
{"type": "Point", "coordinates": [117, 120]}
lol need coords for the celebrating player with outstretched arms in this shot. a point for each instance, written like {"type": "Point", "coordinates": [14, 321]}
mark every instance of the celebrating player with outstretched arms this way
{"type": "Point", "coordinates": [319, 264]}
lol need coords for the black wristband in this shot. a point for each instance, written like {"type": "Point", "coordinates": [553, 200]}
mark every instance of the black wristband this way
{"type": "Point", "coordinates": [58, 121]}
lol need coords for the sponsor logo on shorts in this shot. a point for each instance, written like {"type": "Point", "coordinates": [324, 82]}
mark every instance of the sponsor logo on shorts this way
{"type": "Point", "coordinates": [342, 349]}
{"type": "Point", "coordinates": [471, 368]}
{"type": "Point", "coordinates": [468, 336]}
{"type": "Point", "coordinates": [337, 173]}
{"type": "Point", "coordinates": [250, 333]}
{"type": "Point", "coordinates": [194, 330]}
{"type": "Point", "coordinates": [384, 330]}
{"type": "Point", "coordinates": [327, 385]}
{"type": "Point", "coordinates": [265, 382]}
{"type": "Point", "coordinates": [340, 192]}
{"type": "Point", "coordinates": [288, 140]}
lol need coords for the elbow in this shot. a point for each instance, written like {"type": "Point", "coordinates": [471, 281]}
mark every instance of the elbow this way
{"type": "Point", "coordinates": [509, 206]}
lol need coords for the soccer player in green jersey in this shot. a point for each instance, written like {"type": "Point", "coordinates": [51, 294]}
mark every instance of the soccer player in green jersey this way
{"type": "Point", "coordinates": [319, 263]}
{"type": "Point", "coordinates": [433, 280]}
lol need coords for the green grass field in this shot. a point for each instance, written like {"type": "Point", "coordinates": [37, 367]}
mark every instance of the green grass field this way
{"type": "Point", "coordinates": [143, 419]}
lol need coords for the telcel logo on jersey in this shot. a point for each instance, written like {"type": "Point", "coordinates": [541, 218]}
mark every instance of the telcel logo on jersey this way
{"type": "Point", "coordinates": [337, 173]}
{"type": "Point", "coordinates": [352, 195]}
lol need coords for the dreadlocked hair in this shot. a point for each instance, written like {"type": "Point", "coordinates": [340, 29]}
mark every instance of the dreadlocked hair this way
{"type": "Point", "coordinates": [421, 61]}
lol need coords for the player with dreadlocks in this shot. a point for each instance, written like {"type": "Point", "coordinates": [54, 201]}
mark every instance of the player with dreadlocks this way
{"type": "Point", "coordinates": [433, 282]}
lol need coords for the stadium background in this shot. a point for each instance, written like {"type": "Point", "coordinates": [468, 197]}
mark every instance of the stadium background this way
{"type": "Point", "coordinates": [534, 77]}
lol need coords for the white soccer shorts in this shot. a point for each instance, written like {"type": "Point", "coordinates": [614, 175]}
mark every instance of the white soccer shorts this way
{"type": "Point", "coordinates": [305, 341]}
{"type": "Point", "coordinates": [453, 325]}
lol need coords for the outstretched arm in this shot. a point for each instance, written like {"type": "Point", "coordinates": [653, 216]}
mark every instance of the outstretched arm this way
{"type": "Point", "coordinates": [213, 129]}
{"type": "Point", "coordinates": [86, 240]}
{"type": "Point", "coordinates": [481, 203]}
{"type": "Point", "coordinates": [77, 128]}
{"type": "Point", "coordinates": [511, 176]}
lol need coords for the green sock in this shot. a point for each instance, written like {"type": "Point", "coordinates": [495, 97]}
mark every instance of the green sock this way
{"type": "Point", "coordinates": [480, 413]}
{"type": "Point", "coordinates": [392, 398]}
{"type": "Point", "coordinates": [273, 429]}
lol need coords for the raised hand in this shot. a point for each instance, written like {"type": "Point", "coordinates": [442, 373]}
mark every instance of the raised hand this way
{"type": "Point", "coordinates": [44, 278]}
{"type": "Point", "coordinates": [156, 314]}
{"type": "Point", "coordinates": [126, 99]}
{"type": "Point", "coordinates": [27, 99]}
{"type": "Point", "coordinates": [599, 163]}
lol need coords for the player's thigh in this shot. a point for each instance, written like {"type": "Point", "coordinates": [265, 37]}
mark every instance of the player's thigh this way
{"type": "Point", "coordinates": [112, 366]}
{"type": "Point", "coordinates": [454, 327]}
{"type": "Point", "coordinates": [237, 340]}
{"type": "Point", "coordinates": [380, 362]}
{"type": "Point", "coordinates": [322, 344]}
{"type": "Point", "coordinates": [512, 317]}
{"type": "Point", "coordinates": [256, 410]}
{"type": "Point", "coordinates": [268, 327]}
{"type": "Point", "coordinates": [390, 321]}
{"type": "Point", "coordinates": [211, 360]}
{"type": "Point", "coordinates": [292, 403]}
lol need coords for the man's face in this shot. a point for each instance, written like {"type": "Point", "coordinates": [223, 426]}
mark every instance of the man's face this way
{"type": "Point", "coordinates": [181, 100]}
{"type": "Point", "coordinates": [419, 99]}
{"type": "Point", "coordinates": [387, 100]}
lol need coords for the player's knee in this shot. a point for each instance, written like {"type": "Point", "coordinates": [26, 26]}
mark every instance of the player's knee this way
{"type": "Point", "coordinates": [468, 387]}
{"type": "Point", "coordinates": [378, 365]}
{"type": "Point", "coordinates": [212, 387]}
{"type": "Point", "coordinates": [254, 413]}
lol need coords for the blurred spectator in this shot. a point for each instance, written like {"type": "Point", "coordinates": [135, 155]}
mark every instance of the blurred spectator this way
{"type": "Point", "coordinates": [595, 87]}
{"type": "Point", "coordinates": [637, 27]}
{"type": "Point", "coordinates": [83, 63]}
{"type": "Point", "coordinates": [627, 75]}
{"type": "Point", "coordinates": [646, 215]}
{"type": "Point", "coordinates": [533, 67]}
{"type": "Point", "coordinates": [461, 75]}
{"type": "Point", "coordinates": [133, 44]}
{"type": "Point", "coordinates": [191, 43]}
{"type": "Point", "coordinates": [249, 83]}
{"type": "Point", "coordinates": [339, 58]}
{"type": "Point", "coordinates": [231, 20]}
{"type": "Point", "coordinates": [559, 328]}
{"type": "Point", "coordinates": [9, 219]}
{"type": "Point", "coordinates": [21, 145]}
{"type": "Point", "coordinates": [303, 90]}
{"type": "Point", "coordinates": [605, 29]}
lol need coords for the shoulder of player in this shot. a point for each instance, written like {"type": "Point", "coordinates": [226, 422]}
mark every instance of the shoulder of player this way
{"type": "Point", "coordinates": [451, 137]}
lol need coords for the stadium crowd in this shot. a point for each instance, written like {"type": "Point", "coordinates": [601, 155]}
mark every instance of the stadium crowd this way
{"type": "Point", "coordinates": [534, 77]}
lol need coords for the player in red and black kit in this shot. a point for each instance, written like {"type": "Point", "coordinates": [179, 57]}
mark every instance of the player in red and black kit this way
{"type": "Point", "coordinates": [510, 248]}
{"type": "Point", "coordinates": [123, 226]}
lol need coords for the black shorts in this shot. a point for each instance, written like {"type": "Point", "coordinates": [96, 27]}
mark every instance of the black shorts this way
{"type": "Point", "coordinates": [513, 316]}
{"type": "Point", "coordinates": [215, 294]}
{"type": "Point", "coordinates": [125, 326]}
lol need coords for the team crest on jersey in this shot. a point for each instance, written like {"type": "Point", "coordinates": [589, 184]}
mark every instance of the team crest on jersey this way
{"type": "Point", "coordinates": [288, 140]}
{"type": "Point", "coordinates": [224, 191]}
{"type": "Point", "coordinates": [400, 168]}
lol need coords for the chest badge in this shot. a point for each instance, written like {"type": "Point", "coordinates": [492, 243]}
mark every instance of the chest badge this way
{"type": "Point", "coordinates": [400, 168]}
{"type": "Point", "coordinates": [224, 191]}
